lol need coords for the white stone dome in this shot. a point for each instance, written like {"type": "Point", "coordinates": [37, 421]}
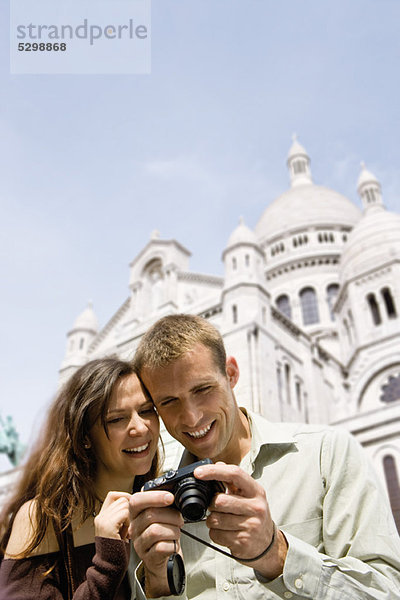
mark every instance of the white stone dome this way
{"type": "Point", "coordinates": [241, 235]}
{"type": "Point", "coordinates": [374, 241]}
{"type": "Point", "coordinates": [305, 206]}
{"type": "Point", "coordinates": [87, 319]}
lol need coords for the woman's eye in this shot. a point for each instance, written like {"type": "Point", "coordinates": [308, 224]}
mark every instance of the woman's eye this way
{"type": "Point", "coordinates": [147, 411]}
{"type": "Point", "coordinates": [115, 420]}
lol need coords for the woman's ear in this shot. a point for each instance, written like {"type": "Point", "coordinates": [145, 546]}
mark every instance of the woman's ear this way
{"type": "Point", "coordinates": [232, 371]}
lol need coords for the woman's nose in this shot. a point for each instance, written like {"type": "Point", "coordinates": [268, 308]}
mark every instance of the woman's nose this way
{"type": "Point", "coordinates": [136, 426]}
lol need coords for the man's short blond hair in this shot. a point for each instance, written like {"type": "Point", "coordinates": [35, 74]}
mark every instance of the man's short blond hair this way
{"type": "Point", "coordinates": [173, 336]}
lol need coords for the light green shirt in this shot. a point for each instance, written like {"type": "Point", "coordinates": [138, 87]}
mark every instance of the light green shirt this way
{"type": "Point", "coordinates": [324, 496]}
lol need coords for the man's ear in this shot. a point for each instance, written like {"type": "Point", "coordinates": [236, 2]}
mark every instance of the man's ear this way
{"type": "Point", "coordinates": [232, 371]}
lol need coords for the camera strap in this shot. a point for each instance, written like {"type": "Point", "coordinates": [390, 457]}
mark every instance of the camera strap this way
{"type": "Point", "coordinates": [243, 560]}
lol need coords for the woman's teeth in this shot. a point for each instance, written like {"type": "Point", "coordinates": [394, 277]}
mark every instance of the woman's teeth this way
{"type": "Point", "coordinates": [138, 449]}
{"type": "Point", "coordinates": [201, 433]}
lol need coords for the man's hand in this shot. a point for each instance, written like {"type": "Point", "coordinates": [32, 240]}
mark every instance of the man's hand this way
{"type": "Point", "coordinates": [240, 519]}
{"type": "Point", "coordinates": [155, 530]}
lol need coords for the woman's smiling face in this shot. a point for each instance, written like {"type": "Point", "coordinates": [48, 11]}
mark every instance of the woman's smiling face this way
{"type": "Point", "coordinates": [133, 430]}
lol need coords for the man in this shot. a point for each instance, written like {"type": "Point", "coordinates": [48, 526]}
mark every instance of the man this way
{"type": "Point", "coordinates": [334, 536]}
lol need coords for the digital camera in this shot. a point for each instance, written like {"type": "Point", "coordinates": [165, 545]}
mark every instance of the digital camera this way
{"type": "Point", "coordinates": [192, 496]}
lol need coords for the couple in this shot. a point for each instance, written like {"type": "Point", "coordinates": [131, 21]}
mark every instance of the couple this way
{"type": "Point", "coordinates": [334, 536]}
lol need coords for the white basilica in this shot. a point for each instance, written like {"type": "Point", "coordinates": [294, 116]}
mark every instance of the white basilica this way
{"type": "Point", "coordinates": [309, 304]}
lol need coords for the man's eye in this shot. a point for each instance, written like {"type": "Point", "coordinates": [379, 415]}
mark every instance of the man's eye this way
{"type": "Point", "coordinates": [204, 389]}
{"type": "Point", "coordinates": [167, 402]}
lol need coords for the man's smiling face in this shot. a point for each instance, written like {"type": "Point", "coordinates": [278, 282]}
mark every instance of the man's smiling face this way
{"type": "Point", "coordinates": [196, 402]}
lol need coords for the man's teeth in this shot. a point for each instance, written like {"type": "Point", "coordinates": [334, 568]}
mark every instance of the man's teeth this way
{"type": "Point", "coordinates": [201, 432]}
{"type": "Point", "coordinates": [138, 449]}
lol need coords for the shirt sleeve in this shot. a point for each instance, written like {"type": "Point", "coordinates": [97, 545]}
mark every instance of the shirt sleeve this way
{"type": "Point", "coordinates": [25, 579]}
{"type": "Point", "coordinates": [360, 557]}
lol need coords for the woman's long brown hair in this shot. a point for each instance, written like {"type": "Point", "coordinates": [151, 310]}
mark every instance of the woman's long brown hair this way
{"type": "Point", "coordinates": [59, 473]}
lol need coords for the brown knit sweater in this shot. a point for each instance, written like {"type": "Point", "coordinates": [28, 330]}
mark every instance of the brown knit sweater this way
{"type": "Point", "coordinates": [100, 571]}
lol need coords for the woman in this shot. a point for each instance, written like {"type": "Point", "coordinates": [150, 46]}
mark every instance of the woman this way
{"type": "Point", "coordinates": [99, 444]}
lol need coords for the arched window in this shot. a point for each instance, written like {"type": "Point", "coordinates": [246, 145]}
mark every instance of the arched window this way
{"type": "Point", "coordinates": [392, 482]}
{"type": "Point", "coordinates": [234, 313]}
{"type": "Point", "coordinates": [374, 308]}
{"type": "Point", "coordinates": [391, 389]}
{"type": "Point", "coordinates": [331, 294]}
{"type": "Point", "coordinates": [287, 383]}
{"type": "Point", "coordinates": [370, 195]}
{"type": "Point", "coordinates": [309, 306]}
{"type": "Point", "coordinates": [247, 260]}
{"type": "Point", "coordinates": [299, 166]}
{"type": "Point", "coordinates": [298, 393]}
{"type": "Point", "coordinates": [279, 382]}
{"type": "Point", "coordinates": [81, 343]}
{"type": "Point", "coordinates": [389, 303]}
{"type": "Point", "coordinates": [234, 263]}
{"type": "Point", "coordinates": [155, 284]}
{"type": "Point", "coordinates": [283, 303]}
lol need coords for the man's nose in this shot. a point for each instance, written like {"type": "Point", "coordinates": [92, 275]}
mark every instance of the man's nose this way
{"type": "Point", "coordinates": [191, 414]}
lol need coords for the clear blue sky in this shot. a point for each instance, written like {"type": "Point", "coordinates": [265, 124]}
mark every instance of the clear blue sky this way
{"type": "Point", "coordinates": [90, 165]}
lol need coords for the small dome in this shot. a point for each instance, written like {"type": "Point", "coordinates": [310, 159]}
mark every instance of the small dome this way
{"type": "Point", "coordinates": [303, 207]}
{"type": "Point", "coordinates": [366, 177]}
{"type": "Point", "coordinates": [373, 242]}
{"type": "Point", "coordinates": [298, 163]}
{"type": "Point", "coordinates": [296, 149]}
{"type": "Point", "coordinates": [87, 319]}
{"type": "Point", "coordinates": [369, 190]}
{"type": "Point", "coordinates": [241, 235]}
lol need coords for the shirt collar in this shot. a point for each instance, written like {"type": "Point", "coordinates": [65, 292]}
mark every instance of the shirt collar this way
{"type": "Point", "coordinates": [266, 437]}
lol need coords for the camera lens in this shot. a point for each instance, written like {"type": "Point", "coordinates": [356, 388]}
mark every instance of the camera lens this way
{"type": "Point", "coordinates": [192, 498]}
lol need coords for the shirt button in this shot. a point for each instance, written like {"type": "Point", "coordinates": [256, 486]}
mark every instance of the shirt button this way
{"type": "Point", "coordinates": [298, 584]}
{"type": "Point", "coordinates": [226, 586]}
{"type": "Point", "coordinates": [287, 594]}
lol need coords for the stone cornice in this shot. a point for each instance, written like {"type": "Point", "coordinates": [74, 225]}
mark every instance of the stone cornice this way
{"type": "Point", "coordinates": [302, 263]}
{"type": "Point", "coordinates": [247, 244]}
{"type": "Point", "coordinates": [287, 323]}
{"type": "Point", "coordinates": [211, 311]}
{"type": "Point", "coordinates": [200, 278]}
{"type": "Point", "coordinates": [81, 330]}
{"type": "Point", "coordinates": [242, 284]}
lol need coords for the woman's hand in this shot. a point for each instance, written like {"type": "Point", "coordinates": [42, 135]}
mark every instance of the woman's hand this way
{"type": "Point", "coordinates": [113, 519]}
